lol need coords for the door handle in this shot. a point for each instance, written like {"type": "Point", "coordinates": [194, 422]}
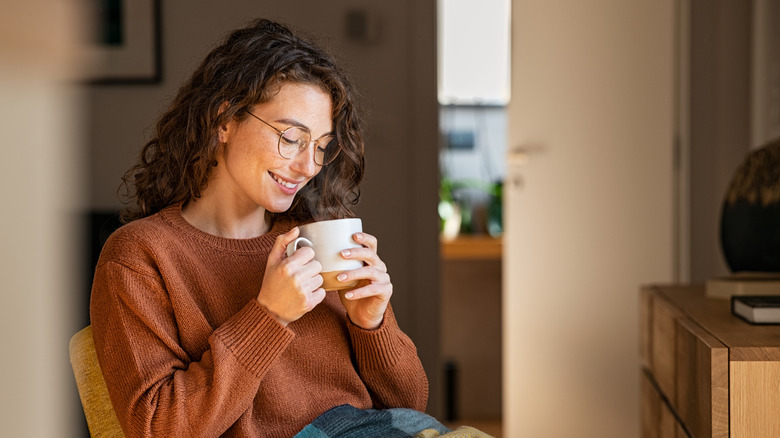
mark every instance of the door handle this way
{"type": "Point", "coordinates": [519, 155]}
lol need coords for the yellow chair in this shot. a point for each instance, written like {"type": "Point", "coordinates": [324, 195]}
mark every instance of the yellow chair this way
{"type": "Point", "coordinates": [101, 418]}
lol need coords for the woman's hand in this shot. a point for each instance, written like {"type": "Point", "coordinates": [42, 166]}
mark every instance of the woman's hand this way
{"type": "Point", "coordinates": [367, 302]}
{"type": "Point", "coordinates": [292, 286]}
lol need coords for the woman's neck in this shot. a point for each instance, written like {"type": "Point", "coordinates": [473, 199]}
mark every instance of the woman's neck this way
{"type": "Point", "coordinates": [225, 219]}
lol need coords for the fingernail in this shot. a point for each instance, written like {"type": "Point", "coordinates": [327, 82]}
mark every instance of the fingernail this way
{"type": "Point", "coordinates": [346, 253]}
{"type": "Point", "coordinates": [349, 295]}
{"type": "Point", "coordinates": [342, 276]}
{"type": "Point", "coordinates": [358, 236]}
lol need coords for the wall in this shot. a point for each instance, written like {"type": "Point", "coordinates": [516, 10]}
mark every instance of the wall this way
{"type": "Point", "coordinates": [40, 188]}
{"type": "Point", "coordinates": [765, 72]}
{"type": "Point", "coordinates": [720, 41]}
{"type": "Point", "coordinates": [734, 97]}
{"type": "Point", "coordinates": [396, 74]}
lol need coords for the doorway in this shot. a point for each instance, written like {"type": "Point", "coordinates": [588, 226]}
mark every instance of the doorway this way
{"type": "Point", "coordinates": [473, 91]}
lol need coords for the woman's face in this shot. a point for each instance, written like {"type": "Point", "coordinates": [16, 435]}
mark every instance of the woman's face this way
{"type": "Point", "coordinates": [250, 169]}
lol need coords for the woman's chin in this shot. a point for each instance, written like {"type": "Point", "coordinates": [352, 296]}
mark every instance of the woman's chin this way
{"type": "Point", "coordinates": [279, 208]}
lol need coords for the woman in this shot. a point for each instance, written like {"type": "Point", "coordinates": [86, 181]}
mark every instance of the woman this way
{"type": "Point", "coordinates": [202, 325]}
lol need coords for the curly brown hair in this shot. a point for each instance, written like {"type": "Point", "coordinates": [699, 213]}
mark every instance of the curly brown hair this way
{"type": "Point", "coordinates": [246, 69]}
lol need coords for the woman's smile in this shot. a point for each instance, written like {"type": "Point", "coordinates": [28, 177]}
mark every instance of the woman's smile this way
{"type": "Point", "coordinates": [287, 186]}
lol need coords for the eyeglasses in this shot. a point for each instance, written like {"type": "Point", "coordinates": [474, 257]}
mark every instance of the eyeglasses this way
{"type": "Point", "coordinates": [294, 140]}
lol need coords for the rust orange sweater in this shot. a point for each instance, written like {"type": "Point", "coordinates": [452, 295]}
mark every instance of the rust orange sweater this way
{"type": "Point", "coordinates": [186, 350]}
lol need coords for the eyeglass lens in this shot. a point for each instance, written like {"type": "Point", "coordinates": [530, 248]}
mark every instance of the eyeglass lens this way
{"type": "Point", "coordinates": [295, 140]}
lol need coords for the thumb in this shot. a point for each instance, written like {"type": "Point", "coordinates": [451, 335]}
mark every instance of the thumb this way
{"type": "Point", "coordinates": [279, 249]}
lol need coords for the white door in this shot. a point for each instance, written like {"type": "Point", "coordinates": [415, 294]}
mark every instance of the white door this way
{"type": "Point", "coordinates": [589, 215]}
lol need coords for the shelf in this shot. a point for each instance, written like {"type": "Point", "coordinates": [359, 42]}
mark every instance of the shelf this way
{"type": "Point", "coordinates": [472, 247]}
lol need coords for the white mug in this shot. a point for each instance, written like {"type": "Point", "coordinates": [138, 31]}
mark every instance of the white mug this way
{"type": "Point", "coordinates": [328, 239]}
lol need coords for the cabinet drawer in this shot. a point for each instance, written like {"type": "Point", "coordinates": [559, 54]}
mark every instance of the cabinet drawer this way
{"type": "Point", "coordinates": [658, 421]}
{"type": "Point", "coordinates": [662, 344]}
{"type": "Point", "coordinates": [688, 364]}
{"type": "Point", "coordinates": [702, 381]}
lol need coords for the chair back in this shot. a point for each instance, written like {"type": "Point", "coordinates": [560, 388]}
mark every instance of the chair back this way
{"type": "Point", "coordinates": [101, 418]}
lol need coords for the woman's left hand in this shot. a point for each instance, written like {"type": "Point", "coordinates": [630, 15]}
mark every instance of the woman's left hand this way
{"type": "Point", "coordinates": [366, 303]}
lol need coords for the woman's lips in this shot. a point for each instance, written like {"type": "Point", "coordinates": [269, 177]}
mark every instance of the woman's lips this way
{"type": "Point", "coordinates": [287, 186]}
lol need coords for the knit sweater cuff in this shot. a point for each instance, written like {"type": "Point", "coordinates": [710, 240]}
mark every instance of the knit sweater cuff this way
{"type": "Point", "coordinates": [254, 337]}
{"type": "Point", "coordinates": [379, 348]}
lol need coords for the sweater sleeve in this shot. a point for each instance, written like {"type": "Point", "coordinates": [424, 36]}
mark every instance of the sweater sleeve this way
{"type": "Point", "coordinates": [156, 389]}
{"type": "Point", "coordinates": [389, 366]}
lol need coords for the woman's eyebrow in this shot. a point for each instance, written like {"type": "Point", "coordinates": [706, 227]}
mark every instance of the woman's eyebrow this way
{"type": "Point", "coordinates": [296, 123]}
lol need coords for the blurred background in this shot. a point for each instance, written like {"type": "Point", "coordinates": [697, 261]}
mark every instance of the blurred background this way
{"type": "Point", "coordinates": [529, 165]}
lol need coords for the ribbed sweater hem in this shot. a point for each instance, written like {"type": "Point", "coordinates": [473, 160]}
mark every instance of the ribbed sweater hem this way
{"type": "Point", "coordinates": [378, 348]}
{"type": "Point", "coordinates": [254, 337]}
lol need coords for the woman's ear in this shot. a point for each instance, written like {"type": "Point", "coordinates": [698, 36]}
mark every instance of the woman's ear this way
{"type": "Point", "coordinates": [223, 133]}
{"type": "Point", "coordinates": [225, 127]}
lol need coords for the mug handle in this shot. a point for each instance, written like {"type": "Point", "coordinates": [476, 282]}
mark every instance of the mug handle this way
{"type": "Point", "coordinates": [293, 246]}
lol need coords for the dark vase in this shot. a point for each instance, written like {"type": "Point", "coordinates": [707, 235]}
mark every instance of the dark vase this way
{"type": "Point", "coordinates": [750, 236]}
{"type": "Point", "coordinates": [750, 218]}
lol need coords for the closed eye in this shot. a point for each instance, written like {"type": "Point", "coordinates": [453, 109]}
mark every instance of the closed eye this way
{"type": "Point", "coordinates": [325, 141]}
{"type": "Point", "coordinates": [292, 141]}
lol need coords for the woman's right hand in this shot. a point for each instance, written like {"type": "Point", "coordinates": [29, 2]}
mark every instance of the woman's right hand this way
{"type": "Point", "coordinates": [292, 286]}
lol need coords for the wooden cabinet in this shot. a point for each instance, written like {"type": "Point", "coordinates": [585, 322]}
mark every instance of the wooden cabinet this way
{"type": "Point", "coordinates": [472, 247]}
{"type": "Point", "coordinates": [471, 327]}
{"type": "Point", "coordinates": [705, 372]}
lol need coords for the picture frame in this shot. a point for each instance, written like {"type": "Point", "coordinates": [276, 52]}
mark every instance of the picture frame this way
{"type": "Point", "coordinates": [126, 48]}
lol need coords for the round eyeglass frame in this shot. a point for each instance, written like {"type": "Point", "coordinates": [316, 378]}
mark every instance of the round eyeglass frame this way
{"type": "Point", "coordinates": [302, 148]}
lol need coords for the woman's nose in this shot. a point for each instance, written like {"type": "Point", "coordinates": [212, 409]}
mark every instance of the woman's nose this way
{"type": "Point", "coordinates": [304, 163]}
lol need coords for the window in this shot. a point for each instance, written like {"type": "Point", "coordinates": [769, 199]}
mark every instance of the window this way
{"type": "Point", "coordinates": [473, 52]}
